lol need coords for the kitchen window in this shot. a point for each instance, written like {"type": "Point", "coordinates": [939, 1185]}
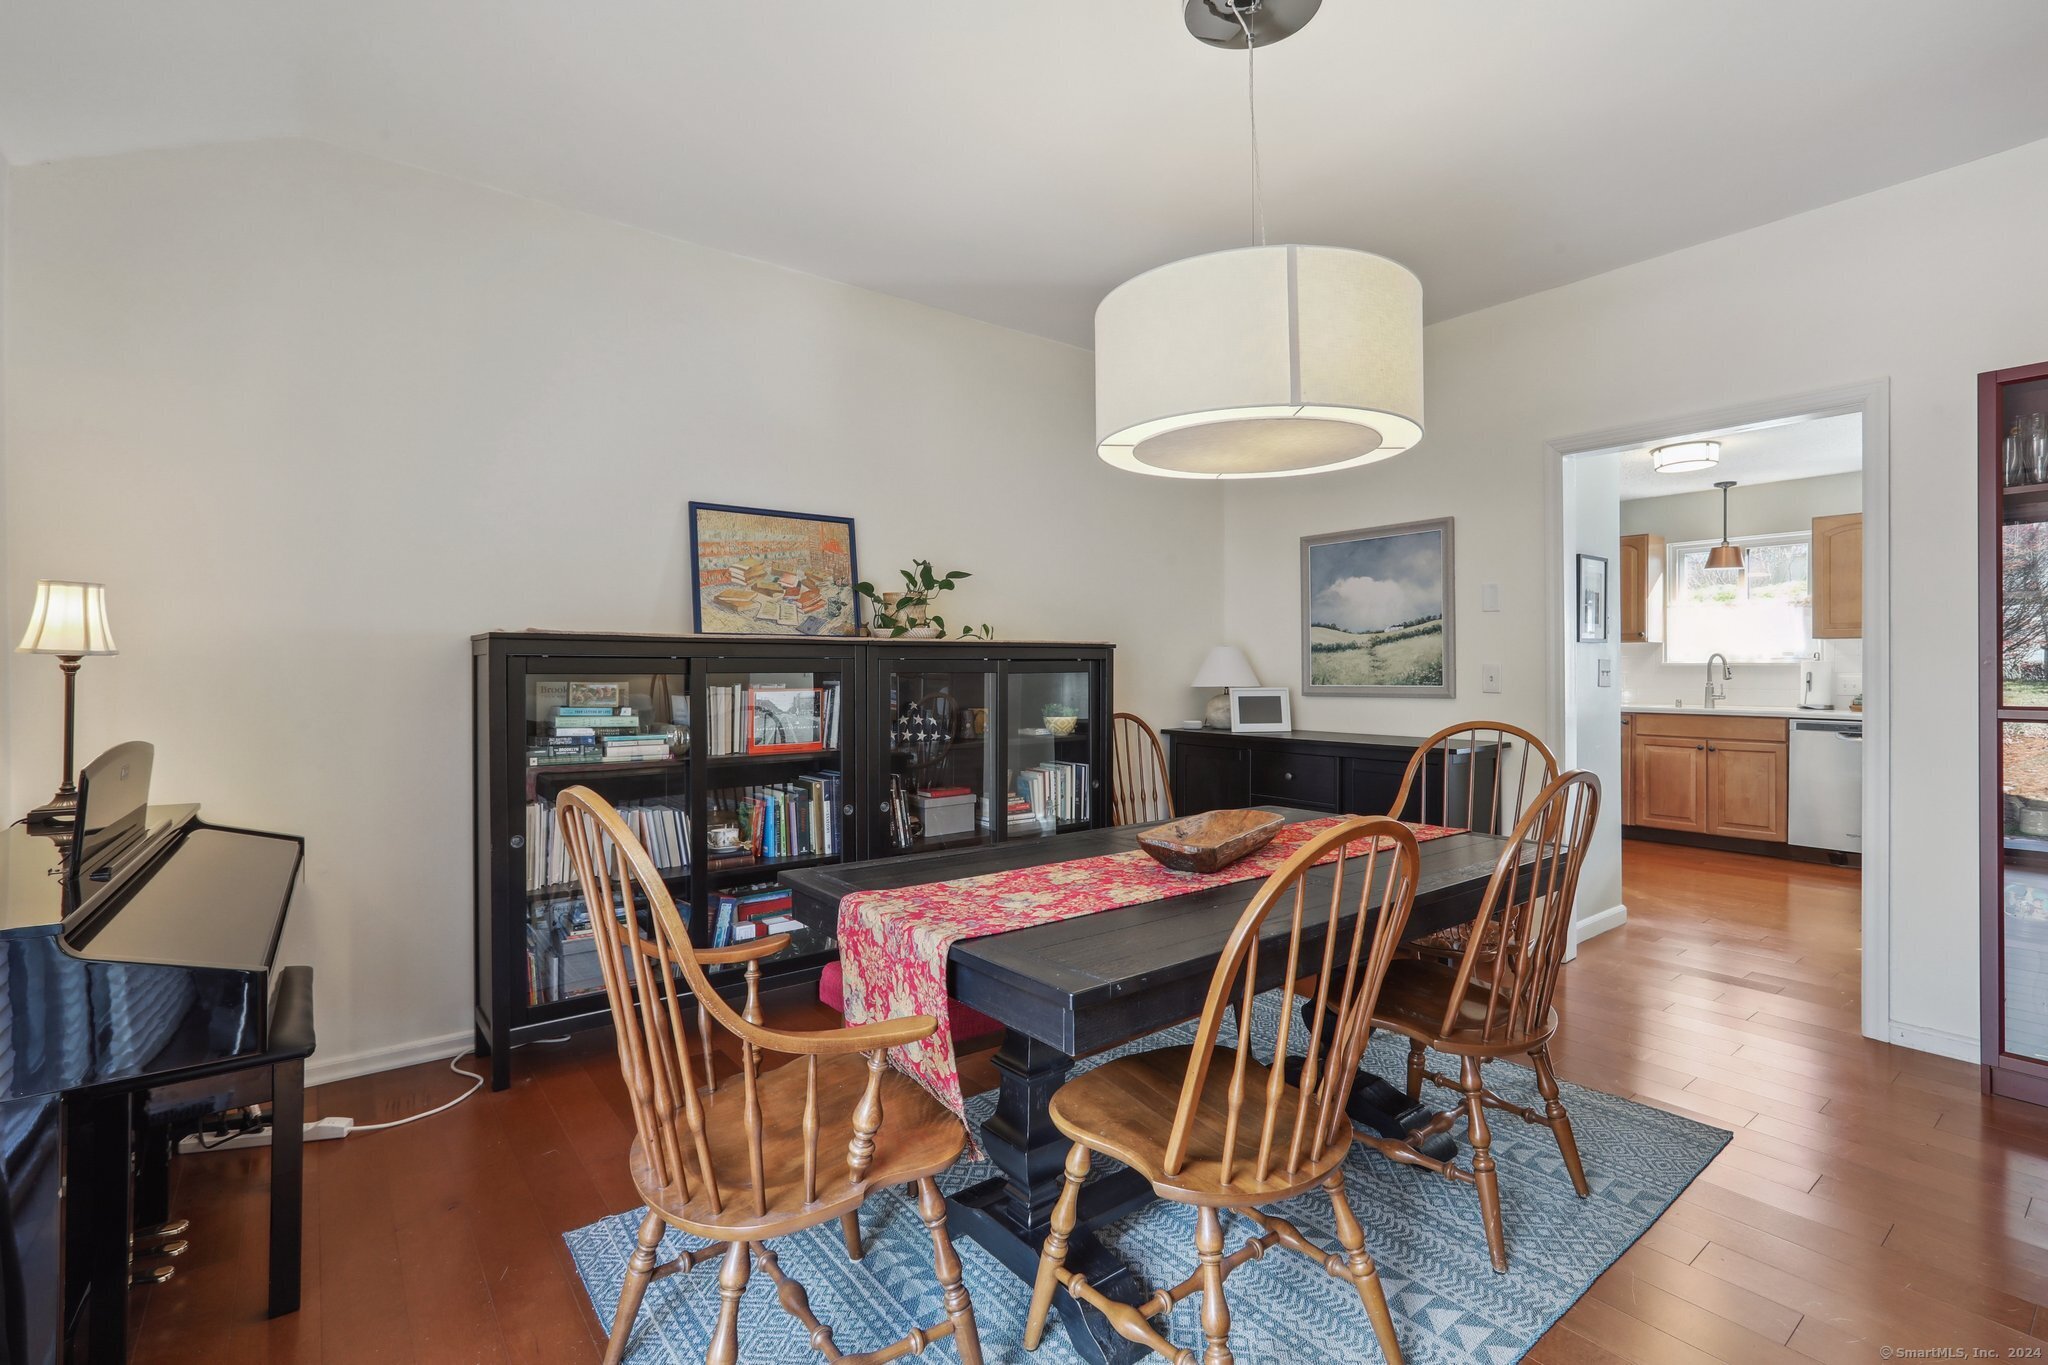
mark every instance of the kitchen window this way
{"type": "Point", "coordinates": [1760, 615]}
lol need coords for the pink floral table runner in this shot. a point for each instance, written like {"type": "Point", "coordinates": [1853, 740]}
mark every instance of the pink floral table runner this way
{"type": "Point", "coordinates": [893, 944]}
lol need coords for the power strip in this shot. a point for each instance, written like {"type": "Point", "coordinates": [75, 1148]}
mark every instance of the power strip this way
{"type": "Point", "coordinates": [320, 1130]}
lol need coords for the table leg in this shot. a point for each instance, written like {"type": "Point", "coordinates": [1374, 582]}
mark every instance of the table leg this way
{"type": "Point", "coordinates": [1008, 1216]}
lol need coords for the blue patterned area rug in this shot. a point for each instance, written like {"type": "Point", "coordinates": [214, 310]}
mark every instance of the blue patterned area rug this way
{"type": "Point", "coordinates": [1449, 1306]}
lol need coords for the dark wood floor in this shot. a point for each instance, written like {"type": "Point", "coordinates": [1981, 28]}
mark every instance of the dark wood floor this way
{"type": "Point", "coordinates": [1871, 1197]}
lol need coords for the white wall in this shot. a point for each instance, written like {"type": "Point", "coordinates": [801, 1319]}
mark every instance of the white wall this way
{"type": "Point", "coordinates": [1763, 509]}
{"type": "Point", "coordinates": [1592, 526]}
{"type": "Point", "coordinates": [315, 419]}
{"type": "Point", "coordinates": [1926, 283]}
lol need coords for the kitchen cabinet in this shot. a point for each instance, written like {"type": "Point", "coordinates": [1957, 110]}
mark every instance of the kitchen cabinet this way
{"type": "Point", "coordinates": [1628, 770]}
{"type": "Point", "coordinates": [1746, 783]}
{"type": "Point", "coordinates": [1642, 589]}
{"type": "Point", "coordinates": [1837, 568]}
{"type": "Point", "coordinates": [1705, 774]}
{"type": "Point", "coordinates": [1671, 782]}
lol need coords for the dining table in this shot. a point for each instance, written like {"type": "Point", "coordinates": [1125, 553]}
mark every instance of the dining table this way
{"type": "Point", "coordinates": [1076, 987]}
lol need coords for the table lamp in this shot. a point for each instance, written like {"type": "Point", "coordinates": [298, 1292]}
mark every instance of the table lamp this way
{"type": "Point", "coordinates": [1226, 667]}
{"type": "Point", "coordinates": [69, 621]}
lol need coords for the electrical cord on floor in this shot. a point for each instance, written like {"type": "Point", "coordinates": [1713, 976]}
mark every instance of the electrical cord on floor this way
{"type": "Point", "coordinates": [476, 1083]}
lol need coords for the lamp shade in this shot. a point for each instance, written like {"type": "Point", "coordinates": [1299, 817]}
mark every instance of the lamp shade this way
{"type": "Point", "coordinates": [1725, 556]}
{"type": "Point", "coordinates": [1258, 363]}
{"type": "Point", "coordinates": [68, 619]}
{"type": "Point", "coordinates": [1683, 457]}
{"type": "Point", "coordinates": [1226, 666]}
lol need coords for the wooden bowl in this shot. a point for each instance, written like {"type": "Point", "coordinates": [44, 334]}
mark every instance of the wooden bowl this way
{"type": "Point", "coordinates": [1211, 841]}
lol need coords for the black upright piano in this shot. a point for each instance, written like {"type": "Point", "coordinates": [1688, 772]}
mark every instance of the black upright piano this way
{"type": "Point", "coordinates": [137, 997]}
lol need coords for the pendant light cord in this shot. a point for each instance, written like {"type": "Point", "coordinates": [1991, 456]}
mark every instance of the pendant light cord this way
{"type": "Point", "coordinates": [1251, 92]}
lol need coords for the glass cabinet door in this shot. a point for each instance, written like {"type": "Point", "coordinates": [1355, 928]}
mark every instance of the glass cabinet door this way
{"type": "Point", "coordinates": [1048, 748]}
{"type": "Point", "coordinates": [776, 797]}
{"type": "Point", "coordinates": [940, 786]}
{"type": "Point", "coordinates": [2022, 624]}
{"type": "Point", "coordinates": [620, 728]}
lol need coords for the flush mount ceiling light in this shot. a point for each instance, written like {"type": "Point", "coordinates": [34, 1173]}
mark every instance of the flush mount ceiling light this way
{"type": "Point", "coordinates": [1725, 555]}
{"type": "Point", "coordinates": [1262, 361]}
{"type": "Point", "coordinates": [1683, 457]}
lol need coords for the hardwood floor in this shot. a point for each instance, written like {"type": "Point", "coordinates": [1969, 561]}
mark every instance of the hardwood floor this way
{"type": "Point", "coordinates": [1871, 1197]}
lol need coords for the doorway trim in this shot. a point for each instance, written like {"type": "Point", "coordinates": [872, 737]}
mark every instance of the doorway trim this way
{"type": "Point", "coordinates": [1871, 401]}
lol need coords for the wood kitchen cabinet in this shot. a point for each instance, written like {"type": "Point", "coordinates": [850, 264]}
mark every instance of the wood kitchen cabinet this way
{"type": "Point", "coordinates": [1837, 567]}
{"type": "Point", "coordinates": [1671, 782]}
{"type": "Point", "coordinates": [1706, 774]}
{"type": "Point", "coordinates": [1642, 588]}
{"type": "Point", "coordinates": [1746, 784]}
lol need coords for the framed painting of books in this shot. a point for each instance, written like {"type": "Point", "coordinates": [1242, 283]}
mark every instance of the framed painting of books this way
{"type": "Point", "coordinates": [1376, 612]}
{"type": "Point", "coordinates": [772, 573]}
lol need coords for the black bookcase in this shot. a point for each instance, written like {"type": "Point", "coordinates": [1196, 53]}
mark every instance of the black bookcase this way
{"type": "Point", "coordinates": [918, 744]}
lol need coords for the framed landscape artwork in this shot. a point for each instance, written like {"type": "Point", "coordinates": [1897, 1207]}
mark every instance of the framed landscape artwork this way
{"type": "Point", "coordinates": [772, 573]}
{"type": "Point", "coordinates": [1376, 612]}
{"type": "Point", "coordinates": [1592, 599]}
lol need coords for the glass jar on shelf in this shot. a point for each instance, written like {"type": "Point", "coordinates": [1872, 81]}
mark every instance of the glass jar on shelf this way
{"type": "Point", "coordinates": [2037, 447]}
{"type": "Point", "coordinates": [2015, 452]}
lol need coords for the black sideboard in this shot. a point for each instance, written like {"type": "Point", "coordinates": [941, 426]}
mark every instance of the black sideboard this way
{"type": "Point", "coordinates": [1324, 770]}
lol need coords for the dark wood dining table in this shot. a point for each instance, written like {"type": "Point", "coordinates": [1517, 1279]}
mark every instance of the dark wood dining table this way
{"type": "Point", "coordinates": [1080, 986]}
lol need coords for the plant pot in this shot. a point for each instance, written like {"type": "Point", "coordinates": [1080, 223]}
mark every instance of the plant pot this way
{"type": "Point", "coordinates": [923, 633]}
{"type": "Point", "coordinates": [1062, 725]}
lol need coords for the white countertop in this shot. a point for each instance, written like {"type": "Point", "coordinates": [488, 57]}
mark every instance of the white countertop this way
{"type": "Point", "coordinates": [1724, 709]}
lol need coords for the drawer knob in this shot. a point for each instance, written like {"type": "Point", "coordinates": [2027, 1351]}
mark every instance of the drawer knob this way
{"type": "Point", "coordinates": [1288, 776]}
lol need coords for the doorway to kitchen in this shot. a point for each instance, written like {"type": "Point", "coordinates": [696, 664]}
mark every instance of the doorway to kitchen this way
{"type": "Point", "coordinates": [1720, 647]}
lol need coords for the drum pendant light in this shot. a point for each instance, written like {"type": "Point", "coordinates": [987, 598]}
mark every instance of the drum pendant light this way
{"type": "Point", "coordinates": [1262, 361]}
{"type": "Point", "coordinates": [1725, 555]}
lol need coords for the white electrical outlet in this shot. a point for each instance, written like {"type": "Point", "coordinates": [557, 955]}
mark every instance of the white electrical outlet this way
{"type": "Point", "coordinates": [1489, 597]}
{"type": "Point", "coordinates": [1489, 677]}
{"type": "Point", "coordinates": [319, 1130]}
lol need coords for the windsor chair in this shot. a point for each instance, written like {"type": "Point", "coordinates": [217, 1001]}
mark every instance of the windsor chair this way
{"type": "Point", "coordinates": [1494, 999]}
{"type": "Point", "coordinates": [740, 1169]}
{"type": "Point", "coordinates": [1466, 760]}
{"type": "Point", "coordinates": [1179, 1116]}
{"type": "Point", "coordinates": [1139, 790]}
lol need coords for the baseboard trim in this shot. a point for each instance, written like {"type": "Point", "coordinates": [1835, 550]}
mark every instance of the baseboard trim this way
{"type": "Point", "coordinates": [1592, 926]}
{"type": "Point", "coordinates": [320, 1070]}
{"type": "Point", "coordinates": [1940, 1042]}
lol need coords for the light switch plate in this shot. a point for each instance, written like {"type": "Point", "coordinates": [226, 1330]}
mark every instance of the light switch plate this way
{"type": "Point", "coordinates": [1489, 597]}
{"type": "Point", "coordinates": [1489, 677]}
{"type": "Point", "coordinates": [1603, 673]}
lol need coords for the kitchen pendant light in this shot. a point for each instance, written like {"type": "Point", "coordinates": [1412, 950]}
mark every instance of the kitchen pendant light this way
{"type": "Point", "coordinates": [1261, 361]}
{"type": "Point", "coordinates": [1684, 457]}
{"type": "Point", "coordinates": [1725, 555]}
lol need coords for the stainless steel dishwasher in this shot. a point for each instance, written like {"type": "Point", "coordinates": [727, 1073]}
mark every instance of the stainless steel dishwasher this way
{"type": "Point", "coordinates": [1825, 805]}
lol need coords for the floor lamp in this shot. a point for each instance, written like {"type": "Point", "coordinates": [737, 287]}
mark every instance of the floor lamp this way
{"type": "Point", "coordinates": [69, 621]}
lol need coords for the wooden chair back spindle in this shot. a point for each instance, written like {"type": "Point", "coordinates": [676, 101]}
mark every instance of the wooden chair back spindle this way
{"type": "Point", "coordinates": [1373, 881]}
{"type": "Point", "coordinates": [1139, 789]}
{"type": "Point", "coordinates": [1517, 942]}
{"type": "Point", "coordinates": [1477, 775]}
{"type": "Point", "coordinates": [647, 976]}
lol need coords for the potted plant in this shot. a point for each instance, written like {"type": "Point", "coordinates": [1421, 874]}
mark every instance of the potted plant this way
{"type": "Point", "coordinates": [1061, 718]}
{"type": "Point", "coordinates": [909, 613]}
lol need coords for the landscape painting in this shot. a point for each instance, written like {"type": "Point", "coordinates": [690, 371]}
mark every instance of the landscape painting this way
{"type": "Point", "coordinates": [1376, 612]}
{"type": "Point", "coordinates": [772, 573]}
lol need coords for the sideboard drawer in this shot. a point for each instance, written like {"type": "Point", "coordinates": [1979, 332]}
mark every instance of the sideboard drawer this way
{"type": "Point", "coordinates": [1294, 779]}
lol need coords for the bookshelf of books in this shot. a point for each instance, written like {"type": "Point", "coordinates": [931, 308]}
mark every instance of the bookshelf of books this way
{"type": "Point", "coordinates": [735, 759]}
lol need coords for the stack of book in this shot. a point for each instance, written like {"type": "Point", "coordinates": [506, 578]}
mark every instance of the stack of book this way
{"type": "Point", "coordinates": [749, 912]}
{"type": "Point", "coordinates": [633, 747]}
{"type": "Point", "coordinates": [580, 734]}
{"type": "Point", "coordinates": [1018, 815]}
{"type": "Point", "coordinates": [1057, 792]}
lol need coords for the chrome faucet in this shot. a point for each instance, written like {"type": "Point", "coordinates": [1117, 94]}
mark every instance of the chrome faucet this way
{"type": "Point", "coordinates": [1715, 691]}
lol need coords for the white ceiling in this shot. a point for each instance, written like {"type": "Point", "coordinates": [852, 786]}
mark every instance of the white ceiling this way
{"type": "Point", "coordinates": [1805, 449]}
{"type": "Point", "coordinates": [1014, 161]}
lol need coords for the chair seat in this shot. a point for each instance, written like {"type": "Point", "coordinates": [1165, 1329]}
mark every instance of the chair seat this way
{"type": "Point", "coordinates": [1418, 990]}
{"type": "Point", "coordinates": [919, 1137]}
{"type": "Point", "coordinates": [1124, 1109]}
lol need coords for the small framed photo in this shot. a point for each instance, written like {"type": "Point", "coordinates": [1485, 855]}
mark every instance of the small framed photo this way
{"type": "Point", "coordinates": [785, 720]}
{"type": "Point", "coordinates": [1260, 708]}
{"type": "Point", "coordinates": [1592, 599]}
{"type": "Point", "coordinates": [596, 694]}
